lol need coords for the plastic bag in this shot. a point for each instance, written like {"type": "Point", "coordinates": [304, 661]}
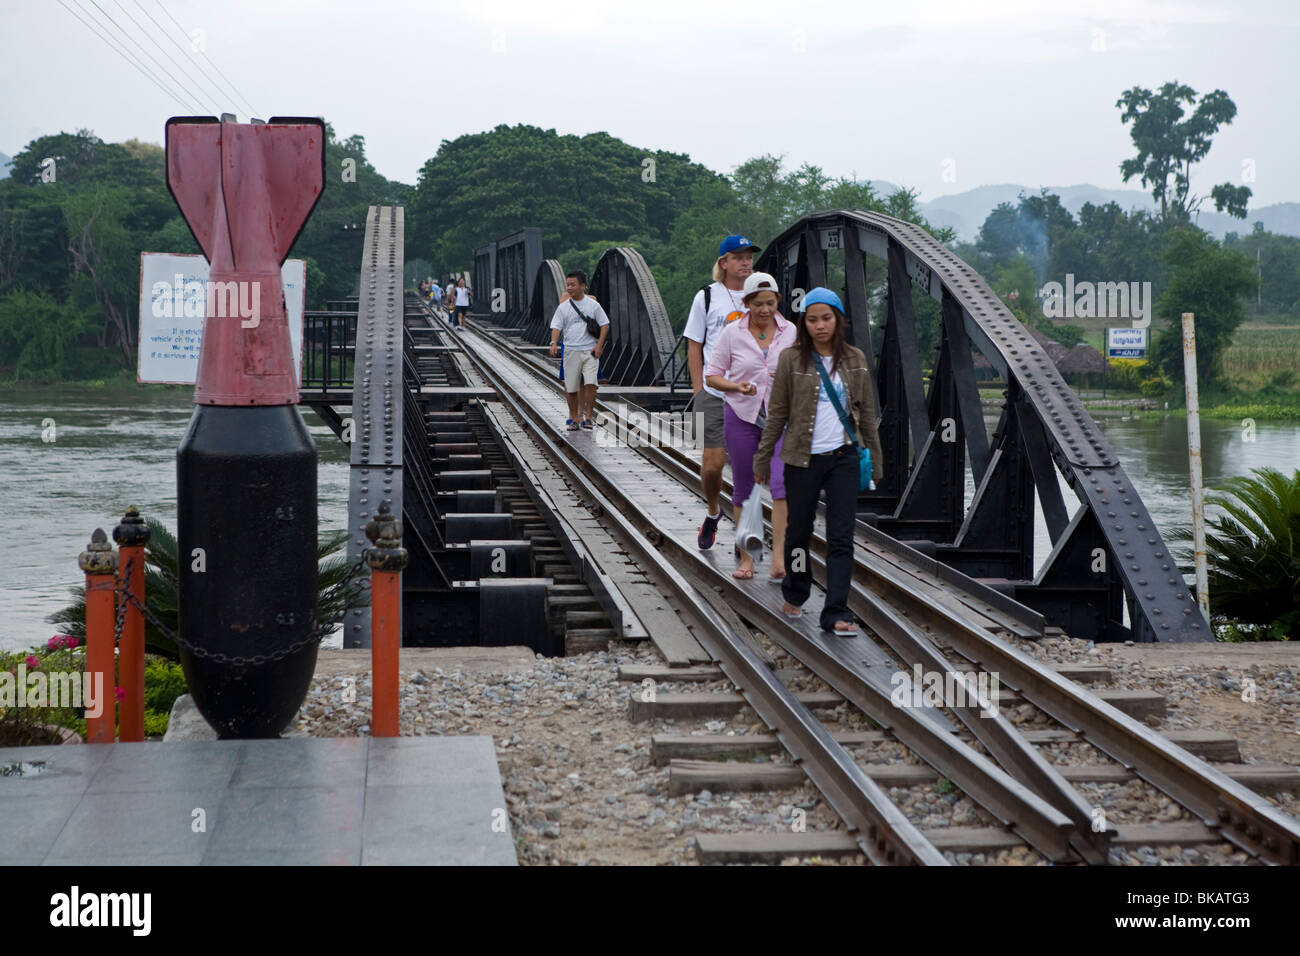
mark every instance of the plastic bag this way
{"type": "Point", "coordinates": [749, 529]}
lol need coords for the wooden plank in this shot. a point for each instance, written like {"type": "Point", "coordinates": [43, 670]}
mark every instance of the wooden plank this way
{"type": "Point", "coordinates": [1084, 673]}
{"type": "Point", "coordinates": [772, 847]}
{"type": "Point", "coordinates": [694, 706]}
{"type": "Point", "coordinates": [1207, 744]}
{"type": "Point", "coordinates": [1138, 704]}
{"type": "Point", "coordinates": [689, 775]}
{"type": "Point", "coordinates": [640, 672]}
{"type": "Point", "coordinates": [666, 747]}
{"type": "Point", "coordinates": [971, 839]}
{"type": "Point", "coordinates": [1179, 833]}
{"type": "Point", "coordinates": [1263, 778]}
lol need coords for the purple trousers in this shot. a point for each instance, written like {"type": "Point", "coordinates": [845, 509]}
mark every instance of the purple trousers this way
{"type": "Point", "coordinates": [742, 441]}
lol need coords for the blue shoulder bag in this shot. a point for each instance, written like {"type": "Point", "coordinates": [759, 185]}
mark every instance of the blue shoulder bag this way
{"type": "Point", "coordinates": [864, 454]}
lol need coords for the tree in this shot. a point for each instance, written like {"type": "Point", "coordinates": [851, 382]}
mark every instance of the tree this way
{"type": "Point", "coordinates": [1253, 552]}
{"type": "Point", "coordinates": [1168, 145]}
{"type": "Point", "coordinates": [1209, 281]}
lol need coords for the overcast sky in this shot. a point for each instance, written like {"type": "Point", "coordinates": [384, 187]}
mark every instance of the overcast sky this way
{"type": "Point", "coordinates": [940, 96]}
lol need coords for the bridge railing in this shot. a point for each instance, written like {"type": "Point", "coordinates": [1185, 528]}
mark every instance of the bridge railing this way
{"type": "Point", "coordinates": [328, 349]}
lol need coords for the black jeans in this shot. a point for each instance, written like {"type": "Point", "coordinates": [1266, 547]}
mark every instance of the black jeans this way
{"type": "Point", "coordinates": [838, 475]}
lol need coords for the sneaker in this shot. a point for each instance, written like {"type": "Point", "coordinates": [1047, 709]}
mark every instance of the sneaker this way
{"type": "Point", "coordinates": [586, 423]}
{"type": "Point", "coordinates": [708, 532]}
{"type": "Point", "coordinates": [570, 424]}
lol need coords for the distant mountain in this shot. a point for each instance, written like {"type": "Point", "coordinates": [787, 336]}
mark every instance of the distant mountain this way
{"type": "Point", "coordinates": [5, 162]}
{"type": "Point", "coordinates": [966, 212]}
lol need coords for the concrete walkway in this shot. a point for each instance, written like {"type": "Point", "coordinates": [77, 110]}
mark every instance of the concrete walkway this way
{"type": "Point", "coordinates": [404, 800]}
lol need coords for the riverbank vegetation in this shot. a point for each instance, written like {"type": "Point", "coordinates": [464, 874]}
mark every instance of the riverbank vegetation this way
{"type": "Point", "coordinates": [1253, 554]}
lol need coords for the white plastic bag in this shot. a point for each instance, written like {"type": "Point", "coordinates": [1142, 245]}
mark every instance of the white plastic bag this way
{"type": "Point", "coordinates": [749, 529]}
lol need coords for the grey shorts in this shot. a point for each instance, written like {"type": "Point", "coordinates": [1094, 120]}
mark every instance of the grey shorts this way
{"type": "Point", "coordinates": [710, 406]}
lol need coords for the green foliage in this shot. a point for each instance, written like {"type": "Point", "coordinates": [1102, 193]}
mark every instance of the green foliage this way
{"type": "Point", "coordinates": [1253, 550]}
{"type": "Point", "coordinates": [1260, 411]}
{"type": "Point", "coordinates": [1126, 375]}
{"type": "Point", "coordinates": [1278, 262]}
{"type": "Point", "coordinates": [580, 189]}
{"type": "Point", "coordinates": [164, 681]}
{"type": "Point", "coordinates": [1168, 145]}
{"type": "Point", "coordinates": [1209, 281]}
{"type": "Point", "coordinates": [38, 334]}
{"type": "Point", "coordinates": [335, 590]}
{"type": "Point", "coordinates": [1154, 387]}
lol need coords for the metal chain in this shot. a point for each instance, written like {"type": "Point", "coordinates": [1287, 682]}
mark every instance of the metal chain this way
{"type": "Point", "coordinates": [119, 603]}
{"type": "Point", "coordinates": [219, 657]}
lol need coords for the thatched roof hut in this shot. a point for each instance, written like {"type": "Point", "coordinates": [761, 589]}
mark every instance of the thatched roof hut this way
{"type": "Point", "coordinates": [1083, 359]}
{"type": "Point", "coordinates": [1054, 349]}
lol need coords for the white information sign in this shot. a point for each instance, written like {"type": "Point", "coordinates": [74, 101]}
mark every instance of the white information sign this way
{"type": "Point", "coordinates": [173, 300]}
{"type": "Point", "coordinates": [1126, 343]}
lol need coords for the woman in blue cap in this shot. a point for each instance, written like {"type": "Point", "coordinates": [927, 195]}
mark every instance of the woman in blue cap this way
{"type": "Point", "coordinates": [819, 452]}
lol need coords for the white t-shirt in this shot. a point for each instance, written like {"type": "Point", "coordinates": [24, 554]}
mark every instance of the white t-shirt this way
{"type": "Point", "coordinates": [828, 430]}
{"type": "Point", "coordinates": [575, 334]}
{"type": "Point", "coordinates": [462, 295]}
{"type": "Point", "coordinates": [724, 306]}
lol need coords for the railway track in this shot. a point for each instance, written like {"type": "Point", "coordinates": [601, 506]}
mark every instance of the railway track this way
{"type": "Point", "coordinates": [1004, 774]}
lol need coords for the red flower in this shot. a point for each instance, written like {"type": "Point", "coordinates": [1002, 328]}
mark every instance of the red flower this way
{"type": "Point", "coordinates": [33, 661]}
{"type": "Point", "coordinates": [121, 694]}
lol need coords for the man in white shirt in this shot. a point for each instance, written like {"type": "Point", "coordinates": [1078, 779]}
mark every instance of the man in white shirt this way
{"type": "Point", "coordinates": [581, 348]}
{"type": "Point", "coordinates": [714, 306]}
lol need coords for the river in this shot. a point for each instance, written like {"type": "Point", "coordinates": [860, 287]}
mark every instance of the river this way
{"type": "Point", "coordinates": [117, 448]}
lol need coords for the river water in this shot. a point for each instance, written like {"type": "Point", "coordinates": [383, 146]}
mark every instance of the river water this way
{"type": "Point", "coordinates": [114, 449]}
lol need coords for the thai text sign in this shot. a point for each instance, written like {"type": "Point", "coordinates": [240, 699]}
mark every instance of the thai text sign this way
{"type": "Point", "coordinates": [1126, 343]}
{"type": "Point", "coordinates": [173, 304]}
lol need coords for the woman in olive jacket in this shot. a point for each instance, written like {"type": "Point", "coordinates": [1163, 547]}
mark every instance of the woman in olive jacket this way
{"type": "Point", "coordinates": [818, 453]}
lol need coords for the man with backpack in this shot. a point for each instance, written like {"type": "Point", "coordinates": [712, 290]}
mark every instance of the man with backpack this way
{"type": "Point", "coordinates": [585, 327]}
{"type": "Point", "coordinates": [715, 305]}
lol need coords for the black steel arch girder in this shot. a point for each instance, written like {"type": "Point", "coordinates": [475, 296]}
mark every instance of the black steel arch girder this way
{"type": "Point", "coordinates": [1109, 553]}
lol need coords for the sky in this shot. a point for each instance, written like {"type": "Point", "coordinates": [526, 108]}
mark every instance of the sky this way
{"type": "Point", "coordinates": [939, 96]}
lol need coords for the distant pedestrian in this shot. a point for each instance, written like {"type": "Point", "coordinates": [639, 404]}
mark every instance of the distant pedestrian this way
{"type": "Point", "coordinates": [818, 452]}
{"type": "Point", "coordinates": [581, 348]}
{"type": "Point", "coordinates": [713, 307]}
{"type": "Point", "coordinates": [435, 291]}
{"type": "Point", "coordinates": [742, 366]}
{"type": "Point", "coordinates": [464, 294]}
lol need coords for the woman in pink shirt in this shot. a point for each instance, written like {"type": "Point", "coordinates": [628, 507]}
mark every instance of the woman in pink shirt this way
{"type": "Point", "coordinates": [741, 367]}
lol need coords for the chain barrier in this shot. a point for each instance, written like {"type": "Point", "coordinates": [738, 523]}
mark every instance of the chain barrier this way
{"type": "Point", "coordinates": [219, 657]}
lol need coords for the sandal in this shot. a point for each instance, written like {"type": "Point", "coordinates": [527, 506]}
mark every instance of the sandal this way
{"type": "Point", "coordinates": [798, 611]}
{"type": "Point", "coordinates": [850, 628]}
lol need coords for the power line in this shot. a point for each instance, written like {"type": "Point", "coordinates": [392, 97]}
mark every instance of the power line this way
{"type": "Point", "coordinates": [146, 55]}
{"type": "Point", "coordinates": [112, 46]}
{"type": "Point", "coordinates": [212, 62]}
{"type": "Point", "coordinates": [220, 93]}
{"type": "Point", "coordinates": [145, 31]}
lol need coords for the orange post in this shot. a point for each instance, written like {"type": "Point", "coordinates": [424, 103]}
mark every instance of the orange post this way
{"type": "Point", "coordinates": [131, 537]}
{"type": "Point", "coordinates": [386, 558]}
{"type": "Point", "coordinates": [100, 564]}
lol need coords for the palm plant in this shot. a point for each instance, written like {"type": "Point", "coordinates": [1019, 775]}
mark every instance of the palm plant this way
{"type": "Point", "coordinates": [338, 589]}
{"type": "Point", "coordinates": [1253, 552]}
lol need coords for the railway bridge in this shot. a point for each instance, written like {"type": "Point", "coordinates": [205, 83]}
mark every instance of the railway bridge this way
{"type": "Point", "coordinates": [454, 431]}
